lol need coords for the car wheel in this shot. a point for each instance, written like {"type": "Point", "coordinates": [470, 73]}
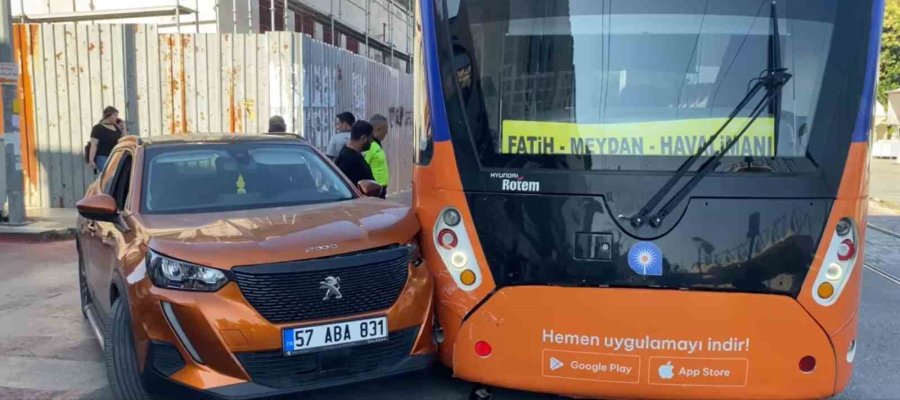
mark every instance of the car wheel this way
{"type": "Point", "coordinates": [82, 284]}
{"type": "Point", "coordinates": [121, 362]}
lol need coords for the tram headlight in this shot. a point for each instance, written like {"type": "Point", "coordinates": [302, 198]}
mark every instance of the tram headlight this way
{"type": "Point", "coordinates": [843, 227]}
{"type": "Point", "coordinates": [451, 240]}
{"type": "Point", "coordinates": [459, 260]}
{"type": "Point", "coordinates": [834, 272]}
{"type": "Point", "coordinates": [451, 217]}
{"type": "Point", "coordinates": [838, 264]}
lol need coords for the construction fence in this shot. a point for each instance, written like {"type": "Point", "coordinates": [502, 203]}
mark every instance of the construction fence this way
{"type": "Point", "coordinates": [175, 84]}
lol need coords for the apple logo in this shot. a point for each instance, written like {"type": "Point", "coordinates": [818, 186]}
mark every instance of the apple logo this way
{"type": "Point", "coordinates": [665, 371]}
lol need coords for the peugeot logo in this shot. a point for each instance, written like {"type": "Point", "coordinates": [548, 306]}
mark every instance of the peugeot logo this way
{"type": "Point", "coordinates": [321, 248]}
{"type": "Point", "coordinates": [333, 287]}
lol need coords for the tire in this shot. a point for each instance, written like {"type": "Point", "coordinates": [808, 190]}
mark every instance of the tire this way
{"type": "Point", "coordinates": [122, 370]}
{"type": "Point", "coordinates": [82, 283]}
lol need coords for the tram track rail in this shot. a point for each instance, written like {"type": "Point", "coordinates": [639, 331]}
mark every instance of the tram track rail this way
{"type": "Point", "coordinates": [884, 274]}
{"type": "Point", "coordinates": [884, 231]}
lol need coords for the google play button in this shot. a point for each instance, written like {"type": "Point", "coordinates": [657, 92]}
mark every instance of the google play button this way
{"type": "Point", "coordinates": [555, 364]}
{"type": "Point", "coordinates": [591, 366]}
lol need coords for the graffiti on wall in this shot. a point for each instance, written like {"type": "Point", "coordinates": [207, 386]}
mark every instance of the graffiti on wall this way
{"type": "Point", "coordinates": [319, 104]}
{"type": "Point", "coordinates": [400, 117]}
{"type": "Point", "coordinates": [358, 85]}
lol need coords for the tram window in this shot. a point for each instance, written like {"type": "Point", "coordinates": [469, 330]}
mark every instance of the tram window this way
{"type": "Point", "coordinates": [424, 142]}
{"type": "Point", "coordinates": [645, 72]}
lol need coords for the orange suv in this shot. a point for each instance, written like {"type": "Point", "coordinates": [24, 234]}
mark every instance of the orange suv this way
{"type": "Point", "coordinates": [245, 267]}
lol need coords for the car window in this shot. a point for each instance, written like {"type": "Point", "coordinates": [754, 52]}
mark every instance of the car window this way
{"type": "Point", "coordinates": [237, 176]}
{"type": "Point", "coordinates": [120, 186]}
{"type": "Point", "coordinates": [112, 165]}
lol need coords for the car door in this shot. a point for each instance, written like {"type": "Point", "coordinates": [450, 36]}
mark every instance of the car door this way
{"type": "Point", "coordinates": [90, 237]}
{"type": "Point", "coordinates": [110, 238]}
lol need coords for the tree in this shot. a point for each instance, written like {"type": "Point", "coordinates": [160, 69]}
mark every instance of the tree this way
{"type": "Point", "coordinates": [890, 51]}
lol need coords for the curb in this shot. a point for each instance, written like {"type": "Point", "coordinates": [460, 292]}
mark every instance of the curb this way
{"type": "Point", "coordinates": [886, 204]}
{"type": "Point", "coordinates": [50, 235]}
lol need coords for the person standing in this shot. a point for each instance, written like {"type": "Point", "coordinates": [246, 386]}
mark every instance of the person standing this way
{"type": "Point", "coordinates": [350, 159]}
{"type": "Point", "coordinates": [104, 137]}
{"type": "Point", "coordinates": [344, 124]}
{"type": "Point", "coordinates": [376, 157]}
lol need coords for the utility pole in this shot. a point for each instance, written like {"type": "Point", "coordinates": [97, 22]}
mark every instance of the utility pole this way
{"type": "Point", "coordinates": [368, 26]}
{"type": "Point", "coordinates": [391, 28]}
{"type": "Point", "coordinates": [272, 15]}
{"type": "Point", "coordinates": [331, 15]}
{"type": "Point", "coordinates": [8, 81]}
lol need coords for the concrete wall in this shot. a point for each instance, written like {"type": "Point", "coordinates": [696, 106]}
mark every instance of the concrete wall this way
{"type": "Point", "coordinates": [388, 22]}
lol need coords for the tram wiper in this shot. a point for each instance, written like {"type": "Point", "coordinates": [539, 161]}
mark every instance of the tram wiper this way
{"type": "Point", "coordinates": [772, 80]}
{"type": "Point", "coordinates": [774, 65]}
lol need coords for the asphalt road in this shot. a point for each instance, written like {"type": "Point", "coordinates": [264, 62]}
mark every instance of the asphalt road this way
{"type": "Point", "coordinates": [48, 352]}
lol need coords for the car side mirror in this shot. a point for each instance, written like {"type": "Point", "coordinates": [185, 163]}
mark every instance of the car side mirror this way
{"type": "Point", "coordinates": [370, 188]}
{"type": "Point", "coordinates": [100, 207]}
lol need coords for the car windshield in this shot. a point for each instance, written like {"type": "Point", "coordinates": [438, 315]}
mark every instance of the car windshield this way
{"type": "Point", "coordinates": [237, 176]}
{"type": "Point", "coordinates": [639, 78]}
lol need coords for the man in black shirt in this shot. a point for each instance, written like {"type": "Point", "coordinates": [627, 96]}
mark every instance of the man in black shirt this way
{"type": "Point", "coordinates": [350, 160]}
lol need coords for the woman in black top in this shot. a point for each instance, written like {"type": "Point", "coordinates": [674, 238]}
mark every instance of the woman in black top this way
{"type": "Point", "coordinates": [104, 137]}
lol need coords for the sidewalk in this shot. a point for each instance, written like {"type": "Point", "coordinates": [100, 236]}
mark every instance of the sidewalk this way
{"type": "Point", "coordinates": [403, 197]}
{"type": "Point", "coordinates": [884, 183]}
{"type": "Point", "coordinates": [44, 224]}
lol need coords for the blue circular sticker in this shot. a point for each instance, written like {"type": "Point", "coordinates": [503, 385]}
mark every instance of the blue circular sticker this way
{"type": "Point", "coordinates": [645, 258]}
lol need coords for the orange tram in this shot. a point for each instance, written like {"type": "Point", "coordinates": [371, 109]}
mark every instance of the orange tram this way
{"type": "Point", "coordinates": [646, 198]}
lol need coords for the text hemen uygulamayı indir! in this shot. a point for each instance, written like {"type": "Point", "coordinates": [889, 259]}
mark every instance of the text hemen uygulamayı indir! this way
{"type": "Point", "coordinates": [631, 344]}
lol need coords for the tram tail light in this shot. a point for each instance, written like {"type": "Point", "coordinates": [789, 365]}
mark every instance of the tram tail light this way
{"type": "Point", "coordinates": [452, 243]}
{"type": "Point", "coordinates": [807, 364]}
{"type": "Point", "coordinates": [846, 250]}
{"type": "Point", "coordinates": [447, 239]}
{"type": "Point", "coordinates": [838, 263]}
{"type": "Point", "coordinates": [483, 349]}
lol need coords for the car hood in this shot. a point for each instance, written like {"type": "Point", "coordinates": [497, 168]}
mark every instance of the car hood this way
{"type": "Point", "coordinates": [274, 235]}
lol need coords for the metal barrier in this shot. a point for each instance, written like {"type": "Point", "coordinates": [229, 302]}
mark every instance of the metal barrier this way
{"type": "Point", "coordinates": [167, 84]}
{"type": "Point", "coordinates": [2, 173]}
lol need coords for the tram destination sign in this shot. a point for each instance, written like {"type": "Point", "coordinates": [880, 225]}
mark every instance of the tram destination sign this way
{"type": "Point", "coordinates": [663, 138]}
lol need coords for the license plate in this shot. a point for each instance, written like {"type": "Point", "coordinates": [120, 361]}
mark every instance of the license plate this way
{"type": "Point", "coordinates": [341, 334]}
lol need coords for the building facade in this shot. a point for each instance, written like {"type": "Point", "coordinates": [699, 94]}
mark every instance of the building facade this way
{"type": "Point", "coordinates": [377, 29]}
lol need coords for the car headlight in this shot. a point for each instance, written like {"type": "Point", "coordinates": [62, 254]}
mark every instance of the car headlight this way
{"type": "Point", "coordinates": [173, 274]}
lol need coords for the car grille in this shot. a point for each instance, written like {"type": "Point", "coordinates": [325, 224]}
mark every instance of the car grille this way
{"type": "Point", "coordinates": [293, 292]}
{"type": "Point", "coordinates": [165, 358]}
{"type": "Point", "coordinates": [275, 370]}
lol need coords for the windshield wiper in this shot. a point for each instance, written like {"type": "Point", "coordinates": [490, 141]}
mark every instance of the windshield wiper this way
{"type": "Point", "coordinates": [775, 64]}
{"type": "Point", "coordinates": [773, 80]}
